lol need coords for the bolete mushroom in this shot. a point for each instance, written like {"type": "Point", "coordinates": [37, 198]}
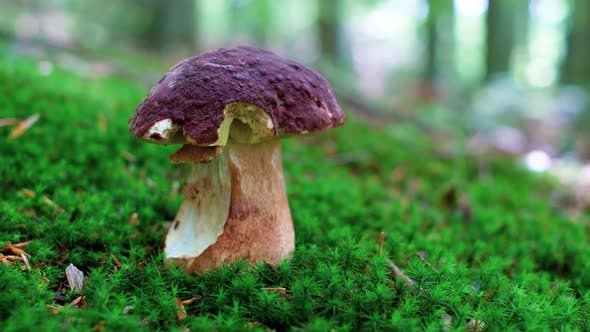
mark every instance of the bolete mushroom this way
{"type": "Point", "coordinates": [229, 108]}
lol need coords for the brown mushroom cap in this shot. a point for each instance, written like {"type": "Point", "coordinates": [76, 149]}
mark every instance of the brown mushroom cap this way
{"type": "Point", "coordinates": [194, 93]}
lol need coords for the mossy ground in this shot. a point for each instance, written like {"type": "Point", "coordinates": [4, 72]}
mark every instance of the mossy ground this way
{"type": "Point", "coordinates": [500, 251]}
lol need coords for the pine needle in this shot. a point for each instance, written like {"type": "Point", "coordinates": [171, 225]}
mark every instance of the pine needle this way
{"type": "Point", "coordinates": [24, 126]}
{"type": "Point", "coordinates": [9, 122]}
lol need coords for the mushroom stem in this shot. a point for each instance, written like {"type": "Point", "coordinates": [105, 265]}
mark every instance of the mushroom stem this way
{"type": "Point", "coordinates": [235, 206]}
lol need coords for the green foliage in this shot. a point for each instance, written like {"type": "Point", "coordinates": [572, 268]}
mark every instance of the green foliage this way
{"type": "Point", "coordinates": [497, 250]}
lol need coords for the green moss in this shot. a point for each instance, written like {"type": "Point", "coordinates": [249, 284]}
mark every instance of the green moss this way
{"type": "Point", "coordinates": [501, 252]}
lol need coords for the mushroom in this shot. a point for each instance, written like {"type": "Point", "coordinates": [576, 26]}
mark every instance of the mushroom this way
{"type": "Point", "coordinates": [229, 108]}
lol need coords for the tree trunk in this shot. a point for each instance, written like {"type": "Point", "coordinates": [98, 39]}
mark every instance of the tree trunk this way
{"type": "Point", "coordinates": [439, 37]}
{"type": "Point", "coordinates": [172, 24]}
{"type": "Point", "coordinates": [330, 30]}
{"type": "Point", "coordinates": [438, 49]}
{"type": "Point", "coordinates": [429, 74]}
{"type": "Point", "coordinates": [576, 65]}
{"type": "Point", "coordinates": [500, 37]}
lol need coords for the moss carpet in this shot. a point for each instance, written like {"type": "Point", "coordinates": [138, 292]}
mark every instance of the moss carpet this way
{"type": "Point", "coordinates": [481, 240]}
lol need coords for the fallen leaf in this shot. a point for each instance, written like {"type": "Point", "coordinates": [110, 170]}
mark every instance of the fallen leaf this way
{"type": "Point", "coordinates": [75, 277]}
{"type": "Point", "coordinates": [79, 302]}
{"type": "Point", "coordinates": [55, 309]}
{"type": "Point", "coordinates": [44, 281]}
{"type": "Point", "coordinates": [24, 126]}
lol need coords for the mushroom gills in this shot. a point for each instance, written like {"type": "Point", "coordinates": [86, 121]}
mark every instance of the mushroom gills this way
{"type": "Point", "coordinates": [244, 123]}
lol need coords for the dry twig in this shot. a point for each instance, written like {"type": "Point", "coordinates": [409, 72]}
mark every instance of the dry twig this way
{"type": "Point", "coordinates": [398, 273]}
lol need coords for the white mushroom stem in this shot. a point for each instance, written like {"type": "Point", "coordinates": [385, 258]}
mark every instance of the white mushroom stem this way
{"type": "Point", "coordinates": [235, 206]}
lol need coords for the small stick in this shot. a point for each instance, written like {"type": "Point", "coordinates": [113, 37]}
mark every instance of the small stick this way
{"type": "Point", "coordinates": [422, 256]}
{"type": "Point", "coordinates": [398, 273]}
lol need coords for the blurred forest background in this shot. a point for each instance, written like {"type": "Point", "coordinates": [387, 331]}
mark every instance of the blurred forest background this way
{"type": "Point", "coordinates": [512, 76]}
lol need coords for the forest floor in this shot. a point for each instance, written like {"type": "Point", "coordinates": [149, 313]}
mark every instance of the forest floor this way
{"type": "Point", "coordinates": [479, 241]}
